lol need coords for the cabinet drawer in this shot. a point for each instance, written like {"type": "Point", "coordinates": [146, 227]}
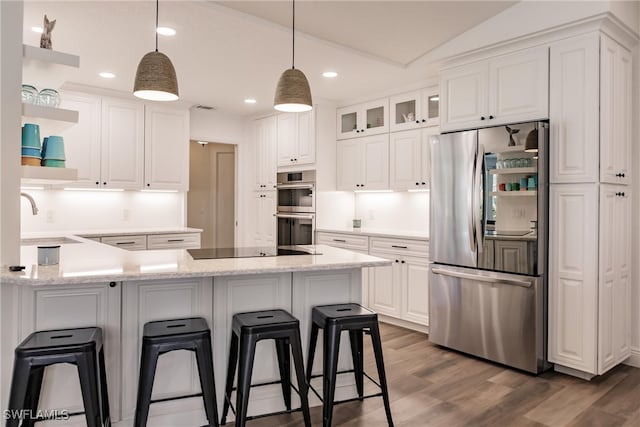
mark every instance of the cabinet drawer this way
{"type": "Point", "coordinates": [419, 248]}
{"type": "Point", "coordinates": [345, 241]}
{"type": "Point", "coordinates": [173, 241]}
{"type": "Point", "coordinates": [131, 243]}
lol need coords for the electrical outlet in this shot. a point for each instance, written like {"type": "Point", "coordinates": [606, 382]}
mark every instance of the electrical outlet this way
{"type": "Point", "coordinates": [49, 216]}
{"type": "Point", "coordinates": [125, 214]}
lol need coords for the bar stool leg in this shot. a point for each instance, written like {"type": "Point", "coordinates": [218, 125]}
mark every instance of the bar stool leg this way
{"type": "Point", "coordinates": [231, 373]}
{"type": "Point", "coordinates": [148, 363]}
{"type": "Point", "coordinates": [33, 394]}
{"type": "Point", "coordinates": [303, 387]}
{"type": "Point", "coordinates": [377, 349]}
{"type": "Point", "coordinates": [312, 350]}
{"type": "Point", "coordinates": [104, 393]}
{"type": "Point", "coordinates": [245, 368]}
{"type": "Point", "coordinates": [87, 370]}
{"type": "Point", "coordinates": [284, 365]}
{"type": "Point", "coordinates": [204, 358]}
{"type": "Point", "coordinates": [331, 346]}
{"type": "Point", "coordinates": [19, 388]}
{"type": "Point", "coordinates": [355, 336]}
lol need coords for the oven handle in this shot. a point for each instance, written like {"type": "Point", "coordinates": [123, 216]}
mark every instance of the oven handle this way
{"type": "Point", "coordinates": [294, 186]}
{"type": "Point", "coordinates": [294, 216]}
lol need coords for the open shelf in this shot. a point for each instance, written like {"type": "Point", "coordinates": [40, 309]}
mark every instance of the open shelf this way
{"type": "Point", "coordinates": [50, 56]}
{"type": "Point", "coordinates": [42, 175]}
{"type": "Point", "coordinates": [514, 193]}
{"type": "Point", "coordinates": [506, 171]}
{"type": "Point", "coordinates": [49, 113]}
{"type": "Point", "coordinates": [514, 149]}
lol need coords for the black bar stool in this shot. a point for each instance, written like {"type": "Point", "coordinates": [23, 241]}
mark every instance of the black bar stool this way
{"type": "Point", "coordinates": [179, 334]}
{"type": "Point", "coordinates": [81, 347]}
{"type": "Point", "coordinates": [334, 319]}
{"type": "Point", "coordinates": [248, 329]}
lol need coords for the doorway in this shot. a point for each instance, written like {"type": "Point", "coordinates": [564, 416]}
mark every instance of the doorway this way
{"type": "Point", "coordinates": [211, 196]}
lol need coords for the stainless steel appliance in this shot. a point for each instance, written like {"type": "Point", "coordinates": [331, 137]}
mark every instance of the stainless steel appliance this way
{"type": "Point", "coordinates": [296, 208]}
{"type": "Point", "coordinates": [487, 283]}
{"type": "Point", "coordinates": [251, 252]}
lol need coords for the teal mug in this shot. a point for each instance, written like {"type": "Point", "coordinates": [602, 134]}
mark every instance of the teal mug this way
{"type": "Point", "coordinates": [31, 135]}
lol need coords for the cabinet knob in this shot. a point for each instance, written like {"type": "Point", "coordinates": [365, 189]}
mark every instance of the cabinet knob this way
{"type": "Point", "coordinates": [402, 261]}
{"type": "Point", "coordinates": [361, 185]}
{"type": "Point", "coordinates": [357, 131]}
{"type": "Point", "coordinates": [424, 183]}
{"type": "Point", "coordinates": [148, 185]}
{"type": "Point", "coordinates": [97, 182]}
{"type": "Point", "coordinates": [417, 183]}
{"type": "Point", "coordinates": [361, 130]}
{"type": "Point", "coordinates": [357, 185]}
{"type": "Point", "coordinates": [482, 118]}
{"type": "Point", "coordinates": [112, 284]}
{"type": "Point", "coordinates": [104, 183]}
{"type": "Point", "coordinates": [295, 160]}
{"type": "Point", "coordinates": [397, 261]}
{"type": "Point", "coordinates": [418, 122]}
{"type": "Point", "coordinates": [423, 120]}
{"type": "Point", "coordinates": [491, 117]}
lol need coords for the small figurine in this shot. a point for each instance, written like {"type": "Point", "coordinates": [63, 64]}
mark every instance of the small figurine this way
{"type": "Point", "coordinates": [512, 142]}
{"type": "Point", "coordinates": [47, 28]}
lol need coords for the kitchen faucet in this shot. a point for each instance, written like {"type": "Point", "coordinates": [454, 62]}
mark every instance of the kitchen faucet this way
{"type": "Point", "coordinates": [34, 208]}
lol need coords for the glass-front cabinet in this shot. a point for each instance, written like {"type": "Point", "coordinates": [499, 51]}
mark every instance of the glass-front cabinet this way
{"type": "Point", "coordinates": [415, 109]}
{"type": "Point", "coordinates": [366, 119]}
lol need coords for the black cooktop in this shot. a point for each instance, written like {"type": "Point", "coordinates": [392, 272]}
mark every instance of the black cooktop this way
{"type": "Point", "coordinates": [251, 252]}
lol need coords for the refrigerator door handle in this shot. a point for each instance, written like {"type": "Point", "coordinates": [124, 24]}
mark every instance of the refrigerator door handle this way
{"type": "Point", "coordinates": [479, 234]}
{"type": "Point", "coordinates": [482, 278]}
{"type": "Point", "coordinates": [470, 203]}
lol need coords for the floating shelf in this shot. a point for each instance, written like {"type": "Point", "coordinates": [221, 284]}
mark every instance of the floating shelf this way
{"type": "Point", "coordinates": [505, 171]}
{"type": "Point", "coordinates": [47, 176]}
{"type": "Point", "coordinates": [50, 56]}
{"type": "Point", "coordinates": [49, 113]}
{"type": "Point", "coordinates": [514, 193]}
{"type": "Point", "coordinates": [514, 149]}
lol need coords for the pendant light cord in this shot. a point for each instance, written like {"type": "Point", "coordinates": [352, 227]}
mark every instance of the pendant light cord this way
{"type": "Point", "coordinates": [293, 38]}
{"type": "Point", "coordinates": [157, 6]}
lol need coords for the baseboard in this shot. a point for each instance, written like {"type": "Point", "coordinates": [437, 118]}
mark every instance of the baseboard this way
{"type": "Point", "coordinates": [634, 359]}
{"type": "Point", "coordinates": [573, 372]}
{"type": "Point", "coordinates": [403, 323]}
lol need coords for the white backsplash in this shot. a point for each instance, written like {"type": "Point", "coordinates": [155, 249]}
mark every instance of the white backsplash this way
{"type": "Point", "coordinates": [401, 211]}
{"type": "Point", "coordinates": [334, 209]}
{"type": "Point", "coordinates": [61, 210]}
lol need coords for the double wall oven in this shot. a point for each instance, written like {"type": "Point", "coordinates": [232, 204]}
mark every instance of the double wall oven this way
{"type": "Point", "coordinates": [296, 216]}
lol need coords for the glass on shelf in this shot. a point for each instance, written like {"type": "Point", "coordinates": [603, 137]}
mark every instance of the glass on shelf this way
{"type": "Point", "coordinates": [29, 94]}
{"type": "Point", "coordinates": [49, 98]}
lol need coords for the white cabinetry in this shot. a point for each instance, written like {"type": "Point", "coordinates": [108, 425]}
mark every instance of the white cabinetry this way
{"type": "Point", "coordinates": [296, 139]}
{"type": "Point", "coordinates": [505, 89]}
{"type": "Point", "coordinates": [166, 148]}
{"type": "Point", "coordinates": [266, 152]}
{"type": "Point", "coordinates": [414, 109]}
{"type": "Point", "coordinates": [511, 255]}
{"type": "Point", "coordinates": [266, 224]}
{"type": "Point", "coordinates": [173, 241]}
{"type": "Point", "coordinates": [128, 242]}
{"type": "Point", "coordinates": [410, 159]}
{"type": "Point", "coordinates": [366, 119]}
{"type": "Point", "coordinates": [363, 164]}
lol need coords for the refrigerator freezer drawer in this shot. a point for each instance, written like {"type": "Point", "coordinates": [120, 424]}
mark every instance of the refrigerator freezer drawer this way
{"type": "Point", "coordinates": [496, 316]}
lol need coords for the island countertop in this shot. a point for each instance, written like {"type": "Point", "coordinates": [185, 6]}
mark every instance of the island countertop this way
{"type": "Point", "coordinates": [92, 262]}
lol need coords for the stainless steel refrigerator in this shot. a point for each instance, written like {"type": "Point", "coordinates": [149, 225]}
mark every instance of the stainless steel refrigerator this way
{"type": "Point", "coordinates": [488, 243]}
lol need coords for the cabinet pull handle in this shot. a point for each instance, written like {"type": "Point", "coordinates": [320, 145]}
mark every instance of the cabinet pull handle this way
{"type": "Point", "coordinates": [112, 284]}
{"type": "Point", "coordinates": [398, 246]}
{"type": "Point", "coordinates": [402, 261]}
{"type": "Point", "coordinates": [125, 243]}
{"type": "Point", "coordinates": [491, 117]}
{"type": "Point", "coordinates": [340, 240]}
{"type": "Point", "coordinates": [424, 183]}
{"type": "Point", "coordinates": [482, 118]}
{"type": "Point", "coordinates": [175, 240]}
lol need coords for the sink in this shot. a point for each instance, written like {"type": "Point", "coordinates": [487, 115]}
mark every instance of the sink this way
{"type": "Point", "coordinates": [47, 241]}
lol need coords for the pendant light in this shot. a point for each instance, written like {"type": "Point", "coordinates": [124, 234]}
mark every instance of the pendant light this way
{"type": "Point", "coordinates": [293, 93]}
{"type": "Point", "coordinates": [156, 78]}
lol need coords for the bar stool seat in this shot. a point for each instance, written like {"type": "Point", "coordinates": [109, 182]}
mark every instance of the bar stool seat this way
{"type": "Point", "coordinates": [82, 347]}
{"type": "Point", "coordinates": [247, 330]}
{"type": "Point", "coordinates": [355, 319]}
{"type": "Point", "coordinates": [163, 336]}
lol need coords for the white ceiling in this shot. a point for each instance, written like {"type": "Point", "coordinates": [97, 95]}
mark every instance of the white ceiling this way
{"type": "Point", "coordinates": [224, 53]}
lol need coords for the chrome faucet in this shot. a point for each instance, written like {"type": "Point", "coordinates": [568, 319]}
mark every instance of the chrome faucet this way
{"type": "Point", "coordinates": [34, 208]}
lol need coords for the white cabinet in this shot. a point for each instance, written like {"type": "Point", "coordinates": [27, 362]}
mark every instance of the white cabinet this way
{"type": "Point", "coordinates": [122, 145]}
{"type": "Point", "coordinates": [166, 148]}
{"type": "Point", "coordinates": [173, 241]}
{"type": "Point", "coordinates": [363, 164]}
{"type": "Point", "coordinates": [506, 89]}
{"type": "Point", "coordinates": [511, 255]}
{"type": "Point", "coordinates": [296, 139]}
{"type": "Point", "coordinates": [385, 286]}
{"type": "Point", "coordinates": [414, 110]}
{"type": "Point", "coordinates": [415, 290]}
{"type": "Point", "coordinates": [61, 307]}
{"type": "Point", "coordinates": [265, 221]}
{"type": "Point", "coordinates": [574, 110]}
{"type": "Point", "coordinates": [266, 153]}
{"type": "Point", "coordinates": [410, 159]}
{"type": "Point", "coordinates": [615, 113]}
{"type": "Point", "coordinates": [370, 118]}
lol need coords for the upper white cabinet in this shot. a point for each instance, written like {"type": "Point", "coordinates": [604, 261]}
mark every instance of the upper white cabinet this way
{"type": "Point", "coordinates": [266, 152]}
{"type": "Point", "coordinates": [615, 112]}
{"type": "Point", "coordinates": [414, 109]}
{"type": "Point", "coordinates": [296, 139]}
{"type": "Point", "coordinates": [366, 119]}
{"type": "Point", "coordinates": [506, 89]}
{"type": "Point", "coordinates": [363, 164]}
{"type": "Point", "coordinates": [166, 148]}
{"type": "Point", "coordinates": [410, 159]}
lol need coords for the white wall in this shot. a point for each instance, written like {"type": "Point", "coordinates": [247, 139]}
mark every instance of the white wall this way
{"type": "Point", "coordinates": [62, 210]}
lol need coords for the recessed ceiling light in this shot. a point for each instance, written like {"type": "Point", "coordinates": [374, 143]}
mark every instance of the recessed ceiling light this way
{"type": "Point", "coordinates": [166, 31]}
{"type": "Point", "coordinates": [107, 75]}
{"type": "Point", "coordinates": [250, 101]}
{"type": "Point", "coordinates": [37, 29]}
{"type": "Point", "coordinates": [330, 74]}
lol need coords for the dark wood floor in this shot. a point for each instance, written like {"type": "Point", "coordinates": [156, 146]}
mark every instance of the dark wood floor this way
{"type": "Point", "coordinates": [431, 386]}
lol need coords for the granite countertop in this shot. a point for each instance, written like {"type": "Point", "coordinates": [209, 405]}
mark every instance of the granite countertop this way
{"type": "Point", "coordinates": [135, 231]}
{"type": "Point", "coordinates": [374, 232]}
{"type": "Point", "coordinates": [92, 262]}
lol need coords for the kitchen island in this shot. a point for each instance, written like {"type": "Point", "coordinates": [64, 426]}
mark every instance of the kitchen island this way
{"type": "Point", "coordinates": [119, 290]}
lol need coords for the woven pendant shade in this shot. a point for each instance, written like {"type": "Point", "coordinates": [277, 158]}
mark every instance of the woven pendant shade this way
{"type": "Point", "coordinates": [156, 78]}
{"type": "Point", "coordinates": [293, 93]}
